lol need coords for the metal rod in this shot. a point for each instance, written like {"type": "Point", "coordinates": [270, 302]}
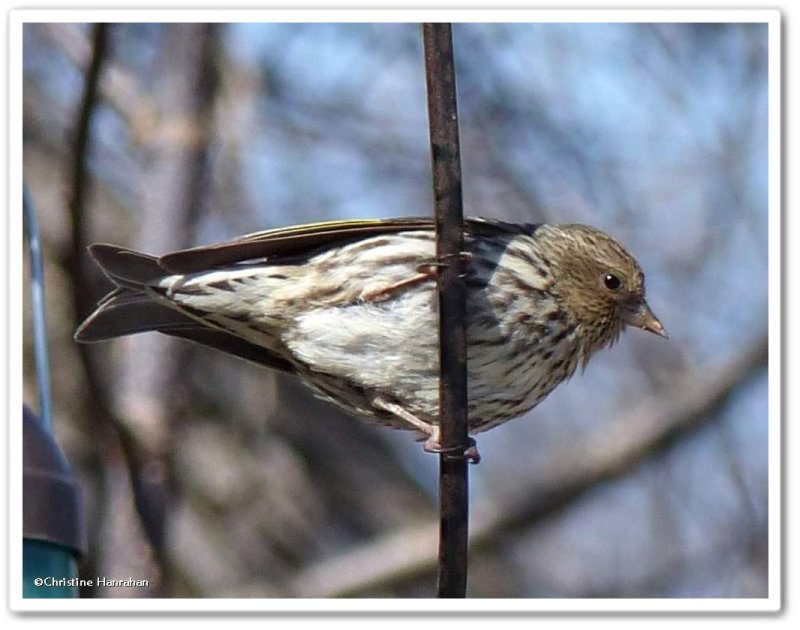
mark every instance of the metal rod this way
{"type": "Point", "coordinates": [38, 308]}
{"type": "Point", "coordinates": [446, 162]}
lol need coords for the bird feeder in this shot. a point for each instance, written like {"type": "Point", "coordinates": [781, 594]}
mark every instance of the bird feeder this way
{"type": "Point", "coordinates": [53, 525]}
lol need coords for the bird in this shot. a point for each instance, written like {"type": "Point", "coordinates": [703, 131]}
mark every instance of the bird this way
{"type": "Point", "coordinates": [351, 308]}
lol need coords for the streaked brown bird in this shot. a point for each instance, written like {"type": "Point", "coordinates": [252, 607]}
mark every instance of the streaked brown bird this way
{"type": "Point", "coordinates": [351, 308]}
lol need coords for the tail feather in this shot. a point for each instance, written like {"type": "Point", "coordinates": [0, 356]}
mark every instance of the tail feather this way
{"type": "Point", "coordinates": [126, 312]}
{"type": "Point", "coordinates": [130, 309]}
{"type": "Point", "coordinates": [126, 267]}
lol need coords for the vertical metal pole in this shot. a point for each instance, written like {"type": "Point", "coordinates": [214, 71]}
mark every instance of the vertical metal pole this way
{"type": "Point", "coordinates": [445, 152]}
{"type": "Point", "coordinates": [38, 308]}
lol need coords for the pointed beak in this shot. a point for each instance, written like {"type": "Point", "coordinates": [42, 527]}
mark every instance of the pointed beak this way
{"type": "Point", "coordinates": [639, 314]}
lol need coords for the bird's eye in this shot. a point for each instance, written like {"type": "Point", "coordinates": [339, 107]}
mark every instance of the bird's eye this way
{"type": "Point", "coordinates": [612, 281]}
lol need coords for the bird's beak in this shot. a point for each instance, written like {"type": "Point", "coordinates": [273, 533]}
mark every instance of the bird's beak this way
{"type": "Point", "coordinates": [639, 314]}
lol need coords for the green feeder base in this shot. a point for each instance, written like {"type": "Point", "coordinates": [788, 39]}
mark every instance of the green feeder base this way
{"type": "Point", "coordinates": [48, 570]}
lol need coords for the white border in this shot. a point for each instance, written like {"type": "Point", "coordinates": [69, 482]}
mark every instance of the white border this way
{"type": "Point", "coordinates": [15, 277]}
{"type": "Point", "coordinates": [16, 20]}
{"type": "Point", "coordinates": [397, 15]}
{"type": "Point", "coordinates": [776, 540]}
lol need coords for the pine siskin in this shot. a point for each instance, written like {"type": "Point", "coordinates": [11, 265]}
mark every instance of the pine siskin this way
{"type": "Point", "coordinates": [351, 308]}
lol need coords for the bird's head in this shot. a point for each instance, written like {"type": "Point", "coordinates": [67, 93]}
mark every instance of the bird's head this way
{"type": "Point", "coordinates": [601, 285]}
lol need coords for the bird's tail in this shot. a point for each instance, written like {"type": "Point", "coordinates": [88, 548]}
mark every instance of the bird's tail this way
{"type": "Point", "coordinates": [126, 311]}
{"type": "Point", "coordinates": [129, 308]}
{"type": "Point", "coordinates": [133, 307]}
{"type": "Point", "coordinates": [127, 268]}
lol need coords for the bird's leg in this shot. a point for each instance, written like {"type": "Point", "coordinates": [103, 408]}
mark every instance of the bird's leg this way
{"type": "Point", "coordinates": [424, 273]}
{"type": "Point", "coordinates": [380, 402]}
{"type": "Point", "coordinates": [433, 443]}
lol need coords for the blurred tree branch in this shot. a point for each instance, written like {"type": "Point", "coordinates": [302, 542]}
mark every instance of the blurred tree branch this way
{"type": "Point", "coordinates": [110, 432]}
{"type": "Point", "coordinates": [142, 452]}
{"type": "Point", "coordinates": [172, 193]}
{"type": "Point", "coordinates": [651, 428]}
{"type": "Point", "coordinates": [120, 88]}
{"type": "Point", "coordinates": [74, 260]}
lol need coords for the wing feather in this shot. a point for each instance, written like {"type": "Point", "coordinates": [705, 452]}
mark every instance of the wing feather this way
{"type": "Point", "coordinates": [301, 241]}
{"type": "Point", "coordinates": [285, 243]}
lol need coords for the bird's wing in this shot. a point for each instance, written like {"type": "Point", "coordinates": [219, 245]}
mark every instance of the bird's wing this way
{"type": "Point", "coordinates": [300, 241]}
{"type": "Point", "coordinates": [284, 243]}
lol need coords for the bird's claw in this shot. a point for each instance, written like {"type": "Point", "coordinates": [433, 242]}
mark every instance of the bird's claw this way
{"type": "Point", "coordinates": [470, 453]}
{"type": "Point", "coordinates": [463, 257]}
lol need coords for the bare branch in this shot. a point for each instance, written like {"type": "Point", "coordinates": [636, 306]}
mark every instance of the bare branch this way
{"type": "Point", "coordinates": [446, 159]}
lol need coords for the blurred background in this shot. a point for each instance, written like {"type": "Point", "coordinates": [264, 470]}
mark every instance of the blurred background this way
{"type": "Point", "coordinates": [645, 476]}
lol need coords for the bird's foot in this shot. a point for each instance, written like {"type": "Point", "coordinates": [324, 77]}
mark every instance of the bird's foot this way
{"type": "Point", "coordinates": [463, 257]}
{"type": "Point", "coordinates": [433, 443]}
{"type": "Point", "coordinates": [470, 453]}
